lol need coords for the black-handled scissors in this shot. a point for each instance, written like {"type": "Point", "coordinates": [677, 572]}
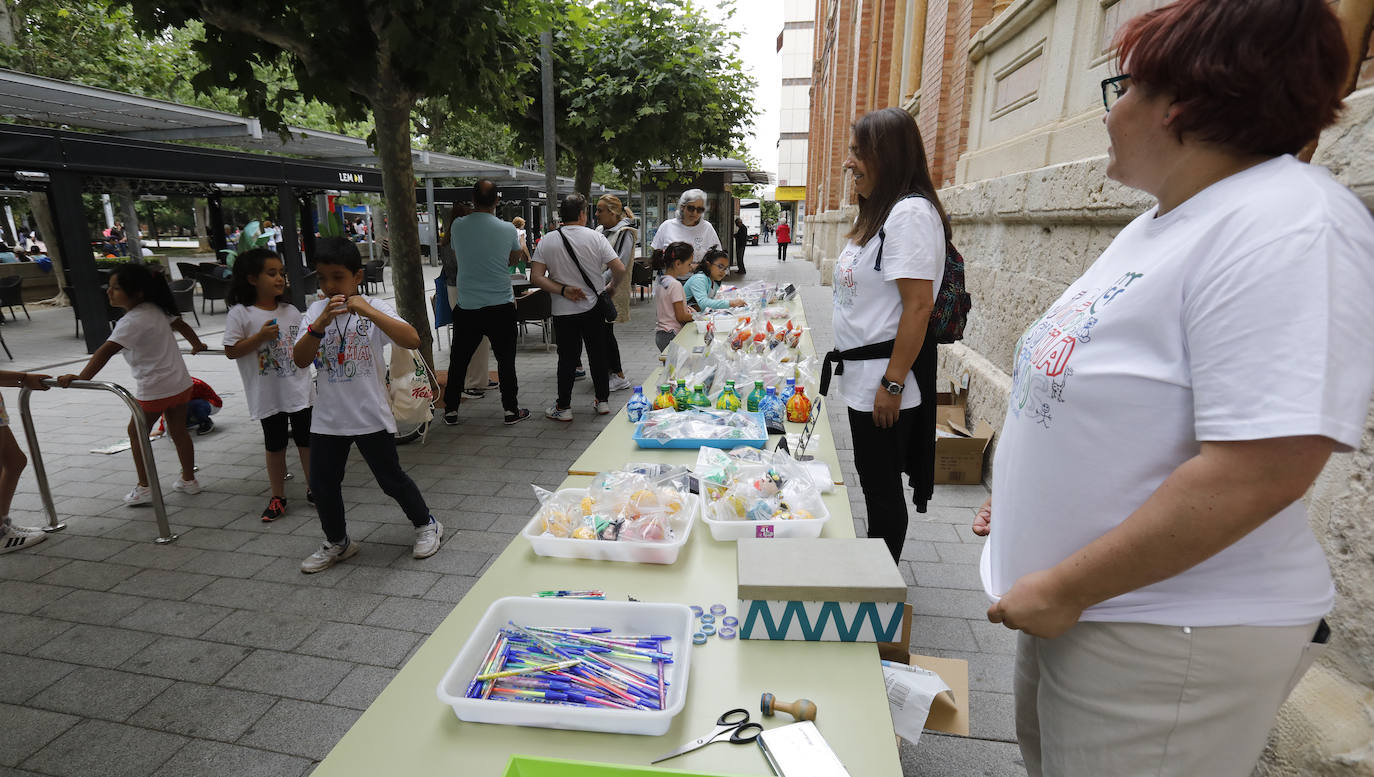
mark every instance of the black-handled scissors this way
{"type": "Point", "coordinates": [735, 723]}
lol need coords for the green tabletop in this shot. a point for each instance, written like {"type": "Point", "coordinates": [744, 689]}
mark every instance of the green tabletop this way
{"type": "Point", "coordinates": [408, 731]}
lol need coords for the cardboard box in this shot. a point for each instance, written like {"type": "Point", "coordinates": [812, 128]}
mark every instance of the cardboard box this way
{"type": "Point", "coordinates": [896, 650]}
{"type": "Point", "coordinates": [951, 407]}
{"type": "Point", "coordinates": [948, 711]}
{"type": "Point", "coordinates": [830, 590]}
{"type": "Point", "coordinates": [959, 452]}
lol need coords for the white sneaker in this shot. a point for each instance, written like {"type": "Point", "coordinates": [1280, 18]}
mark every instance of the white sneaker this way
{"type": "Point", "coordinates": [140, 495]}
{"type": "Point", "coordinates": [564, 415]}
{"type": "Point", "coordinates": [11, 540]}
{"type": "Point", "coordinates": [619, 383]}
{"type": "Point", "coordinates": [328, 555]}
{"type": "Point", "coordinates": [427, 538]}
{"type": "Point", "coordinates": [602, 408]}
{"type": "Point", "coordinates": [191, 486]}
{"type": "Point", "coordinates": [30, 530]}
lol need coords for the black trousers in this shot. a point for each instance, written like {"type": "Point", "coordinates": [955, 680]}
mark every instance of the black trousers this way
{"type": "Point", "coordinates": [496, 323]}
{"type": "Point", "coordinates": [329, 454]}
{"type": "Point", "coordinates": [572, 333]}
{"type": "Point", "coordinates": [613, 364]}
{"type": "Point", "coordinates": [782, 251]}
{"type": "Point", "coordinates": [739, 253]}
{"type": "Point", "coordinates": [880, 457]}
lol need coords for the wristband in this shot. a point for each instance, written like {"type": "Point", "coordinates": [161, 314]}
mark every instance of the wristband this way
{"type": "Point", "coordinates": [563, 292]}
{"type": "Point", "coordinates": [311, 331]}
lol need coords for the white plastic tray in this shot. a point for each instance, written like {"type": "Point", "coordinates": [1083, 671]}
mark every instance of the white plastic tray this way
{"type": "Point", "coordinates": [602, 550]}
{"type": "Point", "coordinates": [675, 620]}
{"type": "Point", "coordinates": [738, 530]}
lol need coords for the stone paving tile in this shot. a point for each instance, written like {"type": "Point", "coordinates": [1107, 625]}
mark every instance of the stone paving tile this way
{"type": "Point", "coordinates": [214, 539]}
{"type": "Point", "coordinates": [23, 676]}
{"type": "Point", "coordinates": [360, 644]}
{"type": "Point", "coordinates": [963, 756]}
{"type": "Point", "coordinates": [151, 556]}
{"type": "Point", "coordinates": [181, 619]}
{"type": "Point", "coordinates": [301, 728]}
{"type": "Point", "coordinates": [346, 606]}
{"type": "Point", "coordinates": [940, 575]}
{"type": "Point", "coordinates": [448, 561]}
{"type": "Point", "coordinates": [287, 674]}
{"type": "Point", "coordinates": [992, 716]}
{"type": "Point", "coordinates": [919, 550]}
{"type": "Point", "coordinates": [244, 594]}
{"type": "Point", "coordinates": [100, 693]}
{"type": "Point", "coordinates": [95, 607]}
{"type": "Point", "coordinates": [29, 566]}
{"type": "Point", "coordinates": [23, 633]}
{"type": "Point", "coordinates": [288, 571]}
{"type": "Point", "coordinates": [106, 749]}
{"type": "Point", "coordinates": [930, 531]}
{"type": "Point", "coordinates": [994, 637]}
{"type": "Point", "coordinates": [361, 687]}
{"type": "Point", "coordinates": [96, 576]}
{"type": "Point", "coordinates": [200, 758]}
{"type": "Point", "coordinates": [94, 646]}
{"type": "Point", "coordinates": [27, 729]}
{"type": "Point", "coordinates": [271, 630]}
{"type": "Point", "coordinates": [164, 584]}
{"type": "Point", "coordinates": [390, 582]}
{"type": "Point", "coordinates": [930, 631]}
{"type": "Point", "coordinates": [451, 588]}
{"type": "Point", "coordinates": [186, 659]}
{"type": "Point", "coordinates": [203, 711]}
{"type": "Point", "coordinates": [226, 564]}
{"type": "Point", "coordinates": [948, 602]}
{"type": "Point", "coordinates": [283, 545]}
{"type": "Point", "coordinates": [85, 548]}
{"type": "Point", "coordinates": [409, 614]}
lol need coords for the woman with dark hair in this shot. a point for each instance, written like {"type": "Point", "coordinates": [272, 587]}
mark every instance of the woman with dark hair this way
{"type": "Point", "coordinates": [885, 282]}
{"type": "Point", "coordinates": [1170, 410]}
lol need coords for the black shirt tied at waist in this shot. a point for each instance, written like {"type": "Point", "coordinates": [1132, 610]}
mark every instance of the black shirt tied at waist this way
{"type": "Point", "coordinates": [920, 463]}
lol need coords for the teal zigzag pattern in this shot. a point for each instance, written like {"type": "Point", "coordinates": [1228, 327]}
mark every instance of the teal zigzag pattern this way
{"type": "Point", "coordinates": [848, 632]}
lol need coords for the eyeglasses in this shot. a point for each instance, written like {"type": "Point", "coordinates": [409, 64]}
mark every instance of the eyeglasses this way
{"type": "Point", "coordinates": [721, 267]}
{"type": "Point", "coordinates": [1112, 90]}
{"type": "Point", "coordinates": [693, 209]}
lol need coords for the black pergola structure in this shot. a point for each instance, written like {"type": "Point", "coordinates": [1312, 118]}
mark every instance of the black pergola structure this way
{"type": "Point", "coordinates": [527, 200]}
{"type": "Point", "coordinates": [64, 164]}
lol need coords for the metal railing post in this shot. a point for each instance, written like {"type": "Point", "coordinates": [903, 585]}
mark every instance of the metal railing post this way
{"type": "Point", "coordinates": [140, 426]}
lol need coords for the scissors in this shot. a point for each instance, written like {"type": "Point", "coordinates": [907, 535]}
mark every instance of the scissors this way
{"type": "Point", "coordinates": [734, 722]}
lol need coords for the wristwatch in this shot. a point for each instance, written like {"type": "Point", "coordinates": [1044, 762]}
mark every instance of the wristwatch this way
{"type": "Point", "coordinates": [891, 386]}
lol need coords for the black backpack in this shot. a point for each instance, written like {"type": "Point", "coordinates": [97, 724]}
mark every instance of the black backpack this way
{"type": "Point", "coordinates": [952, 304]}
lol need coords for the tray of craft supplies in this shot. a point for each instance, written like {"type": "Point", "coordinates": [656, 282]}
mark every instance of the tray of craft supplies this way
{"type": "Point", "coordinates": [758, 494]}
{"type": "Point", "coordinates": [578, 664]}
{"type": "Point", "coordinates": [645, 525]}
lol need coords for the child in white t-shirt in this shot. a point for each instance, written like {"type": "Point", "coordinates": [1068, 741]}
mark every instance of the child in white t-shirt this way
{"type": "Point", "coordinates": [162, 384]}
{"type": "Point", "coordinates": [674, 261]}
{"type": "Point", "coordinates": [345, 337]}
{"type": "Point", "coordinates": [259, 334]}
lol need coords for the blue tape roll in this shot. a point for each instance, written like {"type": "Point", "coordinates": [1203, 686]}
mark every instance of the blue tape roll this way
{"type": "Point", "coordinates": [729, 620]}
{"type": "Point", "coordinates": [717, 610]}
{"type": "Point", "coordinates": [708, 629]}
{"type": "Point", "coordinates": [708, 618]}
{"type": "Point", "coordinates": [698, 638]}
{"type": "Point", "coordinates": [726, 633]}
{"type": "Point", "coordinates": [696, 611]}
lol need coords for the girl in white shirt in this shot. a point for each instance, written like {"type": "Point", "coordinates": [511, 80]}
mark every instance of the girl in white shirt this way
{"type": "Point", "coordinates": [259, 333]}
{"type": "Point", "coordinates": [670, 299]}
{"type": "Point", "coordinates": [162, 384]}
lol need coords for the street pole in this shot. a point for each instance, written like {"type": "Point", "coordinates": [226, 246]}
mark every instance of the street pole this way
{"type": "Point", "coordinates": [550, 153]}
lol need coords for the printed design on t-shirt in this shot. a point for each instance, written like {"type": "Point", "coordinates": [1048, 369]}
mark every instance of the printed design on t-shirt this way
{"type": "Point", "coordinates": [274, 358]}
{"type": "Point", "coordinates": [842, 278]}
{"type": "Point", "coordinates": [1042, 372]}
{"type": "Point", "coordinates": [351, 356]}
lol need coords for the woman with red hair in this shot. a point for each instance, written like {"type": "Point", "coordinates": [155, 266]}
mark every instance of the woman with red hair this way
{"type": "Point", "coordinates": [1170, 410]}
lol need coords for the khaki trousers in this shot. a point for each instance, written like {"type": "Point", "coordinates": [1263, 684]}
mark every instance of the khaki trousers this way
{"type": "Point", "coordinates": [1128, 699]}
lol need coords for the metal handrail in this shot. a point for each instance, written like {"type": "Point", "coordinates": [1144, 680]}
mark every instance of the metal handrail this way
{"type": "Point", "coordinates": [140, 426]}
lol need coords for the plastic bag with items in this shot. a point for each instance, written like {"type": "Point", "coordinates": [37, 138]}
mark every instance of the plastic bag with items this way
{"type": "Point", "coordinates": [621, 506]}
{"type": "Point", "coordinates": [701, 424]}
{"type": "Point", "coordinates": [747, 484]}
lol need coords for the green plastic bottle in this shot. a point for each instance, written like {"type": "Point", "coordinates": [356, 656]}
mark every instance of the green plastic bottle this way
{"type": "Point", "coordinates": [681, 394]}
{"type": "Point", "coordinates": [755, 396]}
{"type": "Point", "coordinates": [729, 398]}
{"type": "Point", "coordinates": [698, 397]}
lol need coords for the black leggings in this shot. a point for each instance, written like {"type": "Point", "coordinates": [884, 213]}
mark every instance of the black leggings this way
{"type": "Point", "coordinates": [329, 454]}
{"type": "Point", "coordinates": [274, 430]}
{"type": "Point", "coordinates": [572, 332]}
{"type": "Point", "coordinates": [880, 457]}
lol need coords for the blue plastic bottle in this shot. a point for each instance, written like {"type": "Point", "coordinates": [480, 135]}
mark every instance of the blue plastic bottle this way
{"type": "Point", "coordinates": [637, 406]}
{"type": "Point", "coordinates": [788, 391]}
{"type": "Point", "coordinates": [772, 407]}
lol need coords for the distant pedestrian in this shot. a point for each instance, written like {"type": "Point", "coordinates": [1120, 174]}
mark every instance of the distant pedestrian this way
{"type": "Point", "coordinates": [741, 240]}
{"type": "Point", "coordinates": [784, 239]}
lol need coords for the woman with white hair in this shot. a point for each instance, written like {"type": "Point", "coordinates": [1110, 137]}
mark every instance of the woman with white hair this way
{"type": "Point", "coordinates": [689, 227]}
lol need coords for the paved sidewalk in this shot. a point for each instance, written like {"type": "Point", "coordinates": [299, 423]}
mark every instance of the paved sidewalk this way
{"type": "Point", "coordinates": [215, 655]}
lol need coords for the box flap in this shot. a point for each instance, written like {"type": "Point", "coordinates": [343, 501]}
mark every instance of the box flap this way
{"type": "Point", "coordinates": [946, 714]}
{"type": "Point", "coordinates": [824, 570]}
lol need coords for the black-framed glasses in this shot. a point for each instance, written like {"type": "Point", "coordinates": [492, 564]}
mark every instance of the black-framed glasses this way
{"type": "Point", "coordinates": [693, 209]}
{"type": "Point", "coordinates": [1112, 90]}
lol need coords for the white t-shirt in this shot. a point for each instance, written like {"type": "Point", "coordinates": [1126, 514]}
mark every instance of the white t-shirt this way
{"type": "Point", "coordinates": [703, 236]}
{"type": "Point", "coordinates": [271, 381]}
{"type": "Point", "coordinates": [868, 305]}
{"type": "Point", "coordinates": [1242, 314]}
{"type": "Point", "coordinates": [150, 348]}
{"type": "Point", "coordinates": [593, 253]}
{"type": "Point", "coordinates": [351, 397]}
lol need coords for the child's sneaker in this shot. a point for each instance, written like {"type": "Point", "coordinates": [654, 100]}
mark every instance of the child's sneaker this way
{"type": "Point", "coordinates": [602, 408]}
{"type": "Point", "coordinates": [517, 416]}
{"type": "Point", "coordinates": [427, 538]}
{"type": "Point", "coordinates": [328, 555]}
{"type": "Point", "coordinates": [492, 385]}
{"type": "Point", "coordinates": [191, 486]}
{"type": "Point", "coordinates": [140, 495]}
{"type": "Point", "coordinates": [11, 540]}
{"type": "Point", "coordinates": [205, 427]}
{"type": "Point", "coordinates": [469, 393]}
{"type": "Point", "coordinates": [564, 414]}
{"type": "Point", "coordinates": [451, 417]}
{"type": "Point", "coordinates": [276, 508]}
{"type": "Point", "coordinates": [579, 374]}
{"type": "Point", "coordinates": [619, 383]}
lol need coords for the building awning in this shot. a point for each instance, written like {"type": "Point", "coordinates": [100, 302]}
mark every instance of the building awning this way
{"type": "Point", "coordinates": [736, 172]}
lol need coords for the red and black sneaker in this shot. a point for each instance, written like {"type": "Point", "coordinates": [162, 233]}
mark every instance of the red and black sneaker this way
{"type": "Point", "coordinates": [275, 509]}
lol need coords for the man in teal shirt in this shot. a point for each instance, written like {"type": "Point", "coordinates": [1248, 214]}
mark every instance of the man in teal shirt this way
{"type": "Point", "coordinates": [486, 247]}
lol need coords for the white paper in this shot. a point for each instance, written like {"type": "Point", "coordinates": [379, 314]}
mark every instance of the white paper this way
{"type": "Point", "coordinates": [910, 690]}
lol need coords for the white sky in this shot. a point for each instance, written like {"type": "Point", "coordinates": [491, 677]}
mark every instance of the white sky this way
{"type": "Point", "coordinates": [759, 22]}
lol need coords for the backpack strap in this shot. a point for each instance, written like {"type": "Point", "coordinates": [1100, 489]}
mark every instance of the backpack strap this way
{"type": "Point", "coordinates": [882, 234]}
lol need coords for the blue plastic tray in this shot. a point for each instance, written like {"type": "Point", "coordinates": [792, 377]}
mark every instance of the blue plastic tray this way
{"type": "Point", "coordinates": [753, 442]}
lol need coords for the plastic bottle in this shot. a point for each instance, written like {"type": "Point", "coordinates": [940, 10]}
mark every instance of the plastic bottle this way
{"type": "Point", "coordinates": [681, 395]}
{"type": "Point", "coordinates": [791, 388]}
{"type": "Point", "coordinates": [637, 406]}
{"type": "Point", "coordinates": [729, 398]}
{"type": "Point", "coordinates": [799, 407]}
{"type": "Point", "coordinates": [755, 397]}
{"type": "Point", "coordinates": [665, 399]}
{"type": "Point", "coordinates": [772, 408]}
{"type": "Point", "coordinates": [698, 397]}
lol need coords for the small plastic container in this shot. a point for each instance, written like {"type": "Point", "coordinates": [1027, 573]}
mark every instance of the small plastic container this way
{"type": "Point", "coordinates": [674, 620]}
{"type": "Point", "coordinates": [605, 550]}
{"type": "Point", "coordinates": [729, 530]}
{"type": "Point", "coordinates": [753, 442]}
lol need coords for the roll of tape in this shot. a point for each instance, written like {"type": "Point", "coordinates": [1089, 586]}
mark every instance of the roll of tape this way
{"type": "Point", "coordinates": [698, 638]}
{"type": "Point", "coordinates": [696, 611]}
{"type": "Point", "coordinates": [726, 632]}
{"type": "Point", "coordinates": [729, 620]}
{"type": "Point", "coordinates": [708, 629]}
{"type": "Point", "coordinates": [708, 618]}
{"type": "Point", "coordinates": [717, 610]}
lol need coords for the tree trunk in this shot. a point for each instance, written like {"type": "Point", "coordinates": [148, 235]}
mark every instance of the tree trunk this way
{"type": "Point", "coordinates": [38, 206]}
{"type": "Point", "coordinates": [202, 226]}
{"type": "Point", "coordinates": [129, 212]}
{"type": "Point", "coordinates": [586, 166]}
{"type": "Point", "coordinates": [398, 183]}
